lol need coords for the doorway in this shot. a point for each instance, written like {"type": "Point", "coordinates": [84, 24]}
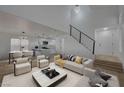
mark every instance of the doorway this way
{"type": "Point", "coordinates": [107, 41]}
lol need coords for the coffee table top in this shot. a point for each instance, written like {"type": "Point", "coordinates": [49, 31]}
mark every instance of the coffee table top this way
{"type": "Point", "coordinates": [45, 81]}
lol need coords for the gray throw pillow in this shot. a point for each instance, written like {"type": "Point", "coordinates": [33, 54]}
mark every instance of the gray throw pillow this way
{"type": "Point", "coordinates": [96, 79]}
{"type": "Point", "coordinates": [102, 75]}
{"type": "Point", "coordinates": [69, 57]}
{"type": "Point", "coordinates": [73, 58]}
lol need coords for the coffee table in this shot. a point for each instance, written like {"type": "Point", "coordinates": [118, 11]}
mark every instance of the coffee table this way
{"type": "Point", "coordinates": [43, 81]}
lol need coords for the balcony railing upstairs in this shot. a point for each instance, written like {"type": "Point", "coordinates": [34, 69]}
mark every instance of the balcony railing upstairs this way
{"type": "Point", "coordinates": [83, 38]}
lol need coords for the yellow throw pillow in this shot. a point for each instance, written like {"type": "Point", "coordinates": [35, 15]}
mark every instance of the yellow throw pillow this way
{"type": "Point", "coordinates": [56, 57]}
{"type": "Point", "coordinates": [78, 60]}
{"type": "Point", "coordinates": [60, 62]}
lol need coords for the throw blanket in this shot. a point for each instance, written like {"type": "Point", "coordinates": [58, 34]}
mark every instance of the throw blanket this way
{"type": "Point", "coordinates": [60, 62]}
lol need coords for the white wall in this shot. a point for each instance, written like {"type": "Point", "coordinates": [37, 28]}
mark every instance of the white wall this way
{"type": "Point", "coordinates": [122, 44]}
{"type": "Point", "coordinates": [108, 41]}
{"type": "Point", "coordinates": [5, 44]}
{"type": "Point", "coordinates": [121, 24]}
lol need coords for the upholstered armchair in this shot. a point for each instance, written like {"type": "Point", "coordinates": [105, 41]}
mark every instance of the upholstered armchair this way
{"type": "Point", "coordinates": [14, 55]}
{"type": "Point", "coordinates": [42, 61]}
{"type": "Point", "coordinates": [22, 65]}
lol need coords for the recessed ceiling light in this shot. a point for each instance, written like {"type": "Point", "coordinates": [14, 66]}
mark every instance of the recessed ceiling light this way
{"type": "Point", "coordinates": [77, 8]}
{"type": "Point", "coordinates": [105, 28]}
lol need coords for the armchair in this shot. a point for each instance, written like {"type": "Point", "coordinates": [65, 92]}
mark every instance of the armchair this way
{"type": "Point", "coordinates": [42, 61]}
{"type": "Point", "coordinates": [22, 65]}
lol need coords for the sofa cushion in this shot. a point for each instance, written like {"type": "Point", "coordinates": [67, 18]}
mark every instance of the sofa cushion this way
{"type": "Point", "coordinates": [102, 75]}
{"type": "Point", "coordinates": [57, 57]}
{"type": "Point", "coordinates": [22, 60]}
{"type": "Point", "coordinates": [22, 68]}
{"type": "Point", "coordinates": [60, 62]}
{"type": "Point", "coordinates": [69, 57]}
{"type": "Point", "coordinates": [23, 65]}
{"type": "Point", "coordinates": [44, 61]}
{"type": "Point", "coordinates": [96, 79]}
{"type": "Point", "coordinates": [40, 57]}
{"type": "Point", "coordinates": [74, 66]}
{"type": "Point", "coordinates": [78, 60]}
{"type": "Point", "coordinates": [105, 76]}
{"type": "Point", "coordinates": [85, 59]}
{"type": "Point", "coordinates": [73, 58]}
{"type": "Point", "coordinates": [88, 63]}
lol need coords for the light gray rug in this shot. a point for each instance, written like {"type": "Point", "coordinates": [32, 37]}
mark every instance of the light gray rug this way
{"type": "Point", "coordinates": [26, 80]}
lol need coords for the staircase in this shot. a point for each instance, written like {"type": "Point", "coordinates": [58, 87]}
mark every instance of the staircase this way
{"type": "Point", "coordinates": [83, 38]}
{"type": "Point", "coordinates": [103, 61]}
{"type": "Point", "coordinates": [107, 62]}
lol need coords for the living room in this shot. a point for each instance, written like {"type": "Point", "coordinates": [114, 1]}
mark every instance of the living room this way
{"type": "Point", "coordinates": [60, 40]}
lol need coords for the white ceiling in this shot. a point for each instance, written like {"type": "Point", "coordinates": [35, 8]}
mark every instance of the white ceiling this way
{"type": "Point", "coordinates": [12, 24]}
{"type": "Point", "coordinates": [54, 16]}
{"type": "Point", "coordinates": [58, 17]}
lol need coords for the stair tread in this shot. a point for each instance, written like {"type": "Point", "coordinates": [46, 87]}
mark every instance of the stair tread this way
{"type": "Point", "coordinates": [108, 62]}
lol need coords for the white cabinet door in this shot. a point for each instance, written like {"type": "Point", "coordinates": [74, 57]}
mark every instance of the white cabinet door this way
{"type": "Point", "coordinates": [104, 42]}
{"type": "Point", "coordinates": [24, 44]}
{"type": "Point", "coordinates": [15, 44]}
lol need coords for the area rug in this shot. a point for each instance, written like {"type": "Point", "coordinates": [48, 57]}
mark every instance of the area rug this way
{"type": "Point", "coordinates": [26, 80]}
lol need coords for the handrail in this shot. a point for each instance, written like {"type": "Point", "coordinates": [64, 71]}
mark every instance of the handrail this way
{"type": "Point", "coordinates": [82, 33]}
{"type": "Point", "coordinates": [93, 47]}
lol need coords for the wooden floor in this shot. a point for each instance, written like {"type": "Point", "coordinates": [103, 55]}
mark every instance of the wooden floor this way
{"type": "Point", "coordinates": [6, 68]}
{"type": "Point", "coordinates": [112, 63]}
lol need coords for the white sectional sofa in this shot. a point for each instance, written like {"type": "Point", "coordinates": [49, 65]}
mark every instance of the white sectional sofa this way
{"type": "Point", "coordinates": [75, 66]}
{"type": "Point", "coordinates": [79, 68]}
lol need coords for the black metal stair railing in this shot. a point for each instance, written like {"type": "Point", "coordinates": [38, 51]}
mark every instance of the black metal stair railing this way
{"type": "Point", "coordinates": [83, 38]}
